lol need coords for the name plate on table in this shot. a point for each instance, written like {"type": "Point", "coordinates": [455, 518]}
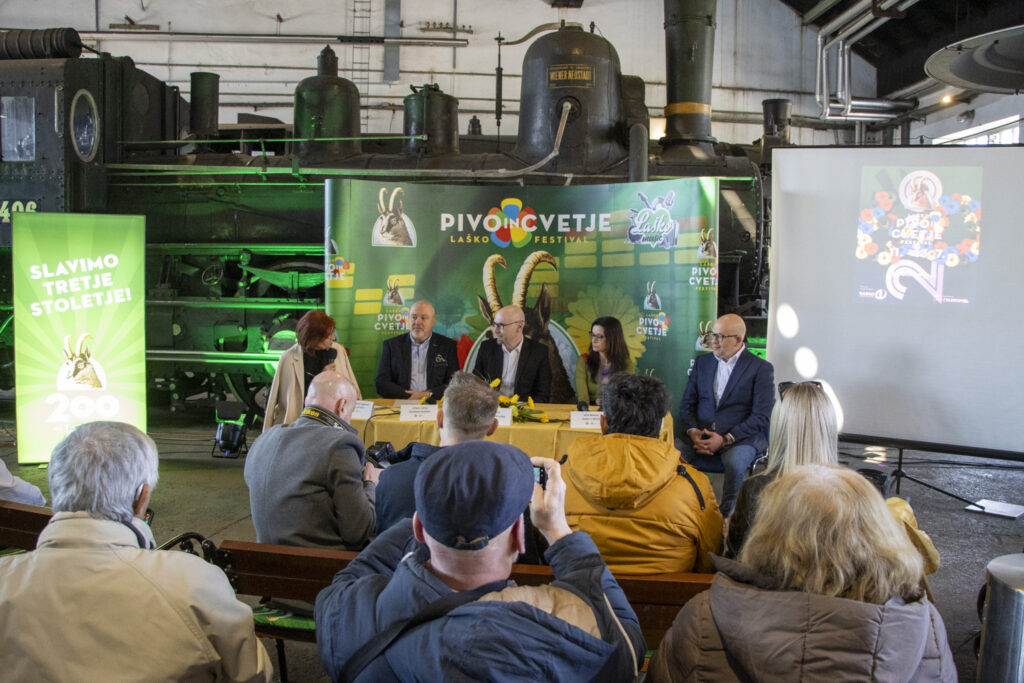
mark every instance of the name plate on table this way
{"type": "Point", "coordinates": [504, 417]}
{"type": "Point", "coordinates": [363, 411]}
{"type": "Point", "coordinates": [418, 413]}
{"type": "Point", "coordinates": [585, 419]}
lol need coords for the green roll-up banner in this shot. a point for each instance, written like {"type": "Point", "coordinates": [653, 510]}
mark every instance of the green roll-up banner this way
{"type": "Point", "coordinates": [645, 253]}
{"type": "Point", "coordinates": [79, 316]}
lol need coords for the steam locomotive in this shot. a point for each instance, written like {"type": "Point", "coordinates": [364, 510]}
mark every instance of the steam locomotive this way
{"type": "Point", "coordinates": [234, 215]}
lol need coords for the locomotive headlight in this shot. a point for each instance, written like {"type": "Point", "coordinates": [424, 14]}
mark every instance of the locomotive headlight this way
{"type": "Point", "coordinates": [84, 124]}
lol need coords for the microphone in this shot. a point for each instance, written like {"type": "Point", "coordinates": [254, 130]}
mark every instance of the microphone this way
{"type": "Point", "coordinates": [583, 406]}
{"type": "Point", "coordinates": [332, 355]}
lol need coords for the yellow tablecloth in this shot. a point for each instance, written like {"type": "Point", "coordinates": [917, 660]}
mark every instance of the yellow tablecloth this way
{"type": "Point", "coordinates": [550, 440]}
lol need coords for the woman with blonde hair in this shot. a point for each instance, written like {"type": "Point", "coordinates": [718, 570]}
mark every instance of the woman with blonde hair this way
{"type": "Point", "coordinates": [315, 351]}
{"type": "Point", "coordinates": [803, 431]}
{"type": "Point", "coordinates": [827, 585]}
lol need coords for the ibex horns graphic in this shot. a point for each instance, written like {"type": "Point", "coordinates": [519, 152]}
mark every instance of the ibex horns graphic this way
{"type": "Point", "coordinates": [537, 317]}
{"type": "Point", "coordinates": [77, 371]}
{"type": "Point", "coordinates": [393, 229]}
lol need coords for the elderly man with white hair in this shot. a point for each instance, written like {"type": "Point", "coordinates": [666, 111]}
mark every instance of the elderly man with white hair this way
{"type": "Point", "coordinates": [96, 601]}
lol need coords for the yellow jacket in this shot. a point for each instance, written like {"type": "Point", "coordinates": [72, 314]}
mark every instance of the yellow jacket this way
{"type": "Point", "coordinates": [647, 511]}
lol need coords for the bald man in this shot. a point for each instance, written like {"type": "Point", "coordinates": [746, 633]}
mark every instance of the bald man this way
{"type": "Point", "coordinates": [725, 408]}
{"type": "Point", "coordinates": [308, 485]}
{"type": "Point", "coordinates": [419, 363]}
{"type": "Point", "coordinates": [520, 363]}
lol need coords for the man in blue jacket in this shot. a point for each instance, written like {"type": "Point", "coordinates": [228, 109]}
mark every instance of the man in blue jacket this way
{"type": "Point", "coordinates": [726, 407]}
{"type": "Point", "coordinates": [468, 530]}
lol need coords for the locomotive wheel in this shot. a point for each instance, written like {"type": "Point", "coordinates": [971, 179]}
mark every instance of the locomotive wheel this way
{"type": "Point", "coordinates": [246, 391]}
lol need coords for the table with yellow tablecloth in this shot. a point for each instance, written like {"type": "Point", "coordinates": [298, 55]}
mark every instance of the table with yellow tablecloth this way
{"type": "Point", "coordinates": [548, 440]}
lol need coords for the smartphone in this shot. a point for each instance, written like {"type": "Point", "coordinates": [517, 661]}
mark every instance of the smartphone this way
{"type": "Point", "coordinates": [540, 475]}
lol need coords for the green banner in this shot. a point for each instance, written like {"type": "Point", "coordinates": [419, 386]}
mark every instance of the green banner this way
{"type": "Point", "coordinates": [645, 253]}
{"type": "Point", "coordinates": [79, 330]}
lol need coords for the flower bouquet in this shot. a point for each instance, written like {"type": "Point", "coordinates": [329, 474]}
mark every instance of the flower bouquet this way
{"type": "Point", "coordinates": [521, 412]}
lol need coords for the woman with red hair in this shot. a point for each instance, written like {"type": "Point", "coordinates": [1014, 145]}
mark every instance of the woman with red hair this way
{"type": "Point", "coordinates": [314, 352]}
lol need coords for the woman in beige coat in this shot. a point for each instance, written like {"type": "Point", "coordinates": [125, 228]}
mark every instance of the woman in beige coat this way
{"type": "Point", "coordinates": [315, 352]}
{"type": "Point", "coordinates": [827, 587]}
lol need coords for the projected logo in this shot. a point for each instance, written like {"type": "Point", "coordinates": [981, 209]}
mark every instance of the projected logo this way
{"type": "Point", "coordinates": [909, 242]}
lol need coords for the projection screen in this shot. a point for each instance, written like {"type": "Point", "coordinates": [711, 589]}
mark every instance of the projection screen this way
{"type": "Point", "coordinates": [882, 288]}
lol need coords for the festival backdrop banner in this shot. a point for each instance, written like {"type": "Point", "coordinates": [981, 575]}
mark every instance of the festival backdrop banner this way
{"type": "Point", "coordinates": [79, 335]}
{"type": "Point", "coordinates": [645, 253]}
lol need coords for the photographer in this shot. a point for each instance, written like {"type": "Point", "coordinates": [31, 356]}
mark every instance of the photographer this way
{"type": "Point", "coordinates": [471, 622]}
{"type": "Point", "coordinates": [466, 414]}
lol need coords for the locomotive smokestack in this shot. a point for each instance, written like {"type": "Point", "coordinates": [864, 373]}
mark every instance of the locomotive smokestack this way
{"type": "Point", "coordinates": [689, 51]}
{"type": "Point", "coordinates": [778, 114]}
{"type": "Point", "coordinates": [204, 107]}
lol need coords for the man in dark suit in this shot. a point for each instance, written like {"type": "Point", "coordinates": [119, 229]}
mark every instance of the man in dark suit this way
{"type": "Point", "coordinates": [520, 363]}
{"type": "Point", "coordinates": [726, 407]}
{"type": "Point", "coordinates": [419, 363]}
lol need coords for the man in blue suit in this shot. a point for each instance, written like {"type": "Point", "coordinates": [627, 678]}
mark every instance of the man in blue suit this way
{"type": "Point", "coordinates": [726, 407]}
{"type": "Point", "coordinates": [418, 364]}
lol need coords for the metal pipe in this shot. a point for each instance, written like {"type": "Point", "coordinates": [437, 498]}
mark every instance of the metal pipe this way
{"type": "Point", "coordinates": [264, 38]}
{"type": "Point", "coordinates": [639, 139]}
{"type": "Point", "coordinates": [689, 57]}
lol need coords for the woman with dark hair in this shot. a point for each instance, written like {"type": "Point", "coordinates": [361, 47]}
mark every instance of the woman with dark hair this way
{"type": "Point", "coordinates": [607, 354]}
{"type": "Point", "coordinates": [314, 352]}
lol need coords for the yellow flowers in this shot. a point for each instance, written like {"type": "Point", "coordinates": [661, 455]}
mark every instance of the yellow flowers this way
{"type": "Point", "coordinates": [424, 400]}
{"type": "Point", "coordinates": [544, 418]}
{"type": "Point", "coordinates": [504, 401]}
{"type": "Point", "coordinates": [496, 383]}
{"type": "Point", "coordinates": [529, 402]}
{"type": "Point", "coordinates": [515, 398]}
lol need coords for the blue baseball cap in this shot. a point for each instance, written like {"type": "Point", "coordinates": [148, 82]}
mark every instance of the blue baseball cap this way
{"type": "Point", "coordinates": [469, 493]}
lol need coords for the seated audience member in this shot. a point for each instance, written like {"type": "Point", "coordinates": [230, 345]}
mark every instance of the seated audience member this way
{"type": "Point", "coordinates": [418, 364]}
{"type": "Point", "coordinates": [725, 408]}
{"type": "Point", "coordinates": [95, 602]}
{"type": "Point", "coordinates": [647, 511]}
{"type": "Point", "coordinates": [314, 351]}
{"type": "Point", "coordinates": [521, 364]}
{"type": "Point", "coordinates": [469, 516]}
{"type": "Point", "coordinates": [466, 414]}
{"type": "Point", "coordinates": [607, 355]}
{"type": "Point", "coordinates": [17, 490]}
{"type": "Point", "coordinates": [307, 484]}
{"type": "Point", "coordinates": [804, 431]}
{"type": "Point", "coordinates": [827, 587]}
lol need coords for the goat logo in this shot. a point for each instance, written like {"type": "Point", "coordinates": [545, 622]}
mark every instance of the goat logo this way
{"type": "Point", "coordinates": [79, 369]}
{"type": "Point", "coordinates": [704, 335]}
{"type": "Point", "coordinates": [393, 297]}
{"type": "Point", "coordinates": [652, 302]}
{"type": "Point", "coordinates": [392, 228]}
{"type": "Point", "coordinates": [538, 317]}
{"type": "Point", "coordinates": [707, 248]}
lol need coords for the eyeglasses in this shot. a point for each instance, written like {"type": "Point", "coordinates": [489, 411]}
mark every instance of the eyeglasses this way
{"type": "Point", "coordinates": [501, 326]}
{"type": "Point", "coordinates": [596, 337]}
{"type": "Point", "coordinates": [784, 386]}
{"type": "Point", "coordinates": [719, 337]}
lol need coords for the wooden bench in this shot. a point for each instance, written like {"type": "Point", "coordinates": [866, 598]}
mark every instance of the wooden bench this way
{"type": "Point", "coordinates": [300, 573]}
{"type": "Point", "coordinates": [20, 524]}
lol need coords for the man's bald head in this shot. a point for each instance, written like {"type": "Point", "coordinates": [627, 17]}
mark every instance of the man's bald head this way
{"type": "Point", "coordinates": [727, 336]}
{"type": "Point", "coordinates": [331, 390]}
{"type": "Point", "coordinates": [421, 321]}
{"type": "Point", "coordinates": [508, 326]}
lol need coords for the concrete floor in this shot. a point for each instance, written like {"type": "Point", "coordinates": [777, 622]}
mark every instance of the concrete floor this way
{"type": "Point", "coordinates": [199, 493]}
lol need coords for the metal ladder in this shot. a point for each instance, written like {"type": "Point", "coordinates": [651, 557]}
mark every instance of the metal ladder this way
{"type": "Point", "coordinates": [362, 11]}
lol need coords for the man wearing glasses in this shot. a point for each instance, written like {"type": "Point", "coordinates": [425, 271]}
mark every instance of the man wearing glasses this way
{"type": "Point", "coordinates": [726, 407]}
{"type": "Point", "coordinates": [520, 363]}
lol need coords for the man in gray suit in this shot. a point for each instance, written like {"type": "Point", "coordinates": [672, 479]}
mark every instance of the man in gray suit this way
{"type": "Point", "coordinates": [307, 482]}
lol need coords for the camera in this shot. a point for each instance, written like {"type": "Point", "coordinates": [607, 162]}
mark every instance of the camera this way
{"type": "Point", "coordinates": [381, 454]}
{"type": "Point", "coordinates": [540, 475]}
